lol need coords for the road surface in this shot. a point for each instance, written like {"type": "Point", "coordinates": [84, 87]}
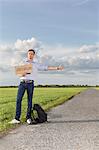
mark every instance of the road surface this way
{"type": "Point", "coordinates": [73, 125]}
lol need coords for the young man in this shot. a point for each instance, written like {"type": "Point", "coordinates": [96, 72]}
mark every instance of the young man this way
{"type": "Point", "coordinates": [27, 83]}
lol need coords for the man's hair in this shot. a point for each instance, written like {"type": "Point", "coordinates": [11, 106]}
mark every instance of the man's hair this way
{"type": "Point", "coordinates": [31, 50]}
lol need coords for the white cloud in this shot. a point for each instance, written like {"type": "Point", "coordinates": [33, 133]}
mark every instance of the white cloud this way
{"type": "Point", "coordinates": [24, 45]}
{"type": "Point", "coordinates": [77, 61]}
{"type": "Point", "coordinates": [13, 53]}
{"type": "Point", "coordinates": [89, 48]}
{"type": "Point", "coordinates": [81, 2]}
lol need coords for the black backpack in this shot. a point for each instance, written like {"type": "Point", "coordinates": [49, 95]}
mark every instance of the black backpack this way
{"type": "Point", "coordinates": [41, 114]}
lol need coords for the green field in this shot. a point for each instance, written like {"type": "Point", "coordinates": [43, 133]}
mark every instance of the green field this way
{"type": "Point", "coordinates": [47, 97]}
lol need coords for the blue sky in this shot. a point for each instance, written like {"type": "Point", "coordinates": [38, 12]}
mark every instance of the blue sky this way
{"type": "Point", "coordinates": [69, 26]}
{"type": "Point", "coordinates": [70, 22]}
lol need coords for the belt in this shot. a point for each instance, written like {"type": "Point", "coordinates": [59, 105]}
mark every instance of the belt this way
{"type": "Point", "coordinates": [27, 81]}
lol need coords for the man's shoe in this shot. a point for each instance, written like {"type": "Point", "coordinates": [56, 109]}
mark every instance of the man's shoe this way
{"type": "Point", "coordinates": [14, 121]}
{"type": "Point", "coordinates": [29, 121]}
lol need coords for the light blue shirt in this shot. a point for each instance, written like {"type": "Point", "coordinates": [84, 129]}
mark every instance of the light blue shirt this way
{"type": "Point", "coordinates": [35, 68]}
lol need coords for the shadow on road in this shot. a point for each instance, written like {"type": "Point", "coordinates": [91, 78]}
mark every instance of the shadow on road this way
{"type": "Point", "coordinates": [74, 121]}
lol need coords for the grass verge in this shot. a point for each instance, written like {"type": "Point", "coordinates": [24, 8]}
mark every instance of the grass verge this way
{"type": "Point", "coordinates": [46, 97]}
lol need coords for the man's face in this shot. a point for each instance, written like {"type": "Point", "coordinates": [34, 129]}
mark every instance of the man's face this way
{"type": "Point", "coordinates": [30, 55]}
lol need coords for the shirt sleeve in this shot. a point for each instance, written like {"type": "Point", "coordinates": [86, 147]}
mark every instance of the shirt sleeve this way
{"type": "Point", "coordinates": [41, 67]}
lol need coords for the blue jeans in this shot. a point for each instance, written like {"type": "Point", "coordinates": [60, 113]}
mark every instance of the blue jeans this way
{"type": "Point", "coordinates": [21, 90]}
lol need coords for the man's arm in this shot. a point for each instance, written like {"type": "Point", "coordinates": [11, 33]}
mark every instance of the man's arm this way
{"type": "Point", "coordinates": [55, 68]}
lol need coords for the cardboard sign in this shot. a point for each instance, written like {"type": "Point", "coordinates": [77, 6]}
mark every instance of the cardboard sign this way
{"type": "Point", "coordinates": [20, 70]}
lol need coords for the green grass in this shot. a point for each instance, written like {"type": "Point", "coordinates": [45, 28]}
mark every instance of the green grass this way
{"type": "Point", "coordinates": [47, 97]}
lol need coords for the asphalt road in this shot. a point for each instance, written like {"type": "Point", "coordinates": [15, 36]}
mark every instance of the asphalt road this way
{"type": "Point", "coordinates": [73, 125]}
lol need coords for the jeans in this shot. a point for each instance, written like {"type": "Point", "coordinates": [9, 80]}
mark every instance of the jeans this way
{"type": "Point", "coordinates": [21, 90]}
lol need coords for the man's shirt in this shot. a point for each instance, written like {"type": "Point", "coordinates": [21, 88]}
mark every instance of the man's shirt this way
{"type": "Point", "coordinates": [35, 68]}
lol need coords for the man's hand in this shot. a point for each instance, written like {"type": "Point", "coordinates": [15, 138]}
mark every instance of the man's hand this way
{"type": "Point", "coordinates": [24, 74]}
{"type": "Point", "coordinates": [55, 68]}
{"type": "Point", "coordinates": [60, 68]}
